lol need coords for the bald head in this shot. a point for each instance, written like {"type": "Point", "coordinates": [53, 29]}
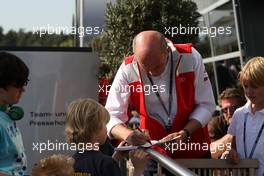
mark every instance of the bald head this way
{"type": "Point", "coordinates": [149, 38]}
{"type": "Point", "coordinates": [150, 50]}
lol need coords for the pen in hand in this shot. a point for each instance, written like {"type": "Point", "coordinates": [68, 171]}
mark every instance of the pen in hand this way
{"type": "Point", "coordinates": [143, 133]}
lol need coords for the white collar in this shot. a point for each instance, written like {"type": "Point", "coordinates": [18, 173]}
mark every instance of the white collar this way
{"type": "Point", "coordinates": [247, 108]}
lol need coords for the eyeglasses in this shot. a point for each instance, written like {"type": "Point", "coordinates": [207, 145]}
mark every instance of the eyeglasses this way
{"type": "Point", "coordinates": [26, 82]}
{"type": "Point", "coordinates": [230, 108]}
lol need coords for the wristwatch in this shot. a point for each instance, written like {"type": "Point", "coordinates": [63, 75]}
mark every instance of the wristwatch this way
{"type": "Point", "coordinates": [187, 132]}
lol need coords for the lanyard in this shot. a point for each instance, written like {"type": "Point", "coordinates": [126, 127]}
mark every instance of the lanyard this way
{"type": "Point", "coordinates": [168, 112]}
{"type": "Point", "coordinates": [256, 141]}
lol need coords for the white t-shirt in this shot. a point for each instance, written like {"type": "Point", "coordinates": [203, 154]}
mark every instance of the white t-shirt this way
{"type": "Point", "coordinates": [253, 126]}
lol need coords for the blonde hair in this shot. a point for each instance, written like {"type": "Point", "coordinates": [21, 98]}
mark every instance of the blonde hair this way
{"type": "Point", "coordinates": [55, 165]}
{"type": "Point", "coordinates": [253, 72]}
{"type": "Point", "coordinates": [84, 119]}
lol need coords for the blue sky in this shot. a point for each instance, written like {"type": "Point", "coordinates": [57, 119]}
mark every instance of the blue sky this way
{"type": "Point", "coordinates": [16, 14]}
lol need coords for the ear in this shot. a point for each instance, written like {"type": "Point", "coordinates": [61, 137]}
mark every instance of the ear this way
{"type": "Point", "coordinates": [2, 90]}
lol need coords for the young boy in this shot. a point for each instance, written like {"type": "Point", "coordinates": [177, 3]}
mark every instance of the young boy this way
{"type": "Point", "coordinates": [86, 124]}
{"type": "Point", "coordinates": [13, 78]}
{"type": "Point", "coordinates": [56, 165]}
{"type": "Point", "coordinates": [248, 121]}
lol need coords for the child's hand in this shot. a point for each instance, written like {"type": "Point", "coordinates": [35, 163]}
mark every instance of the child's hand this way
{"type": "Point", "coordinates": [233, 157]}
{"type": "Point", "coordinates": [119, 155]}
{"type": "Point", "coordinates": [139, 161]}
{"type": "Point", "coordinates": [225, 154]}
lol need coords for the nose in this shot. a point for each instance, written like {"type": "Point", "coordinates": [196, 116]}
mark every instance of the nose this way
{"type": "Point", "coordinates": [229, 112]}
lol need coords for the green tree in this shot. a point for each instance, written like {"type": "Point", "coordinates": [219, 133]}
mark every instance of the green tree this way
{"type": "Point", "coordinates": [125, 18]}
{"type": "Point", "coordinates": [22, 38]}
{"type": "Point", "coordinates": [10, 37]}
{"type": "Point", "coordinates": [1, 34]}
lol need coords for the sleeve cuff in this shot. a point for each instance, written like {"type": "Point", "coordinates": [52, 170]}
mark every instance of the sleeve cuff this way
{"type": "Point", "coordinates": [112, 122]}
{"type": "Point", "coordinates": [202, 115]}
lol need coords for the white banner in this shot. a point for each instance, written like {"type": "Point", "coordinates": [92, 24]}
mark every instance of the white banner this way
{"type": "Point", "coordinates": [56, 79]}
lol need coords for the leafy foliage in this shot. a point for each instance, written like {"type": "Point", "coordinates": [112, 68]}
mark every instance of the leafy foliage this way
{"type": "Point", "coordinates": [126, 18]}
{"type": "Point", "coordinates": [22, 38]}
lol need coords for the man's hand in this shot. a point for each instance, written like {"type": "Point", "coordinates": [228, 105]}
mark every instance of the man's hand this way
{"type": "Point", "coordinates": [138, 138]}
{"type": "Point", "coordinates": [132, 137]}
{"type": "Point", "coordinates": [175, 137]}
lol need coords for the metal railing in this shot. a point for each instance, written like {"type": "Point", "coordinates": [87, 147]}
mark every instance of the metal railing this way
{"type": "Point", "coordinates": [170, 164]}
{"type": "Point", "coordinates": [204, 167]}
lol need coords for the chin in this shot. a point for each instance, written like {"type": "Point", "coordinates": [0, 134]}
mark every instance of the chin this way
{"type": "Point", "coordinates": [15, 102]}
{"type": "Point", "coordinates": [12, 102]}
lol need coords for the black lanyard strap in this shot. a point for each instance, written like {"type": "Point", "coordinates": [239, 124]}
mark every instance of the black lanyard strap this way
{"type": "Point", "coordinates": [256, 141]}
{"type": "Point", "coordinates": [168, 112]}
